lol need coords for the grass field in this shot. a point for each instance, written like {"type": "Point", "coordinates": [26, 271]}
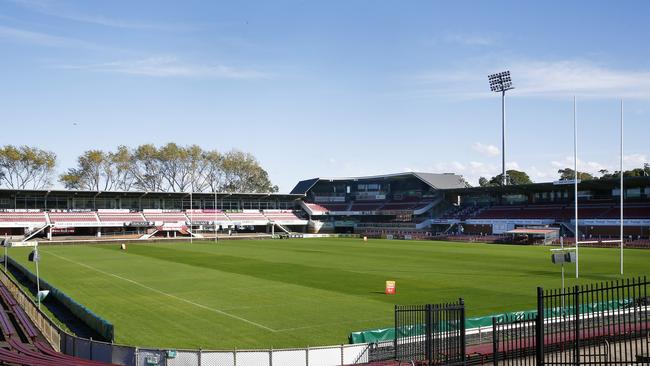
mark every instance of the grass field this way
{"type": "Point", "coordinates": [286, 293]}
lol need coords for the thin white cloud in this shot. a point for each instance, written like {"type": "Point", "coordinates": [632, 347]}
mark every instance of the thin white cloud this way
{"type": "Point", "coordinates": [170, 67]}
{"type": "Point", "coordinates": [485, 149]}
{"type": "Point", "coordinates": [539, 78]}
{"type": "Point", "coordinates": [41, 39]}
{"type": "Point", "coordinates": [469, 39]}
{"type": "Point", "coordinates": [60, 11]}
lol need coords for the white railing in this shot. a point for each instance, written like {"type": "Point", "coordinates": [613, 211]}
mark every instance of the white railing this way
{"type": "Point", "coordinates": [312, 356]}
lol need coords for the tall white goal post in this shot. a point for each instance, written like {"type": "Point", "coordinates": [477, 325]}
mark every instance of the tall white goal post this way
{"type": "Point", "coordinates": [575, 192]}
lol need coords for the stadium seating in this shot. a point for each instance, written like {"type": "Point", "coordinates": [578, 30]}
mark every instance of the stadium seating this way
{"type": "Point", "coordinates": [281, 216]}
{"type": "Point", "coordinates": [23, 217]}
{"type": "Point", "coordinates": [73, 217]}
{"type": "Point", "coordinates": [316, 208]}
{"type": "Point", "coordinates": [172, 216]}
{"type": "Point", "coordinates": [556, 211]}
{"type": "Point", "coordinates": [366, 205]}
{"type": "Point", "coordinates": [206, 215]}
{"type": "Point", "coordinates": [25, 346]}
{"type": "Point", "coordinates": [116, 217]}
{"type": "Point", "coordinates": [247, 216]}
{"type": "Point", "coordinates": [335, 206]}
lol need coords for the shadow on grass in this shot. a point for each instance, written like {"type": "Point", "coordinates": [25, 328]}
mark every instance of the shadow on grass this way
{"type": "Point", "coordinates": [61, 313]}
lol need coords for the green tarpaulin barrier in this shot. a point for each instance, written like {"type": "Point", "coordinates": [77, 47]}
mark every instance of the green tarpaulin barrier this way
{"type": "Point", "coordinates": [388, 334]}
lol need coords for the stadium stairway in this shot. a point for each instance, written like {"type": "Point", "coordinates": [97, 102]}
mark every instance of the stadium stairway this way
{"type": "Point", "coordinates": [281, 227]}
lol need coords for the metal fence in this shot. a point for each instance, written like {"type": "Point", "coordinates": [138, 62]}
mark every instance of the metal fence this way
{"type": "Point", "coordinates": [596, 324]}
{"type": "Point", "coordinates": [514, 339]}
{"type": "Point", "coordinates": [433, 334]}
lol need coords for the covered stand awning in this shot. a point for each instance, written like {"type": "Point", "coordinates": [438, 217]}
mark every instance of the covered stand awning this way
{"type": "Point", "coordinates": [547, 233]}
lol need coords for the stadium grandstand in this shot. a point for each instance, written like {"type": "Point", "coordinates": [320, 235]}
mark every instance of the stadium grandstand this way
{"type": "Point", "coordinates": [418, 205]}
{"type": "Point", "coordinates": [39, 213]}
{"type": "Point", "coordinates": [399, 204]}
{"type": "Point", "coordinates": [404, 205]}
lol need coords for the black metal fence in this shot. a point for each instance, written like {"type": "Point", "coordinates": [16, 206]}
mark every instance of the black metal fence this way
{"type": "Point", "coordinates": [598, 324]}
{"type": "Point", "coordinates": [514, 339]}
{"type": "Point", "coordinates": [432, 334]}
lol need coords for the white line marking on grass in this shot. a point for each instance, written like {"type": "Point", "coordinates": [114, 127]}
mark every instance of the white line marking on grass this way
{"type": "Point", "coordinates": [165, 293]}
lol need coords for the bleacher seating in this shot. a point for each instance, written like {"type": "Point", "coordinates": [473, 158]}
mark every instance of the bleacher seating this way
{"type": "Point", "coordinates": [173, 216]}
{"type": "Point", "coordinates": [112, 217]}
{"type": "Point", "coordinates": [335, 206]}
{"type": "Point", "coordinates": [246, 216]}
{"type": "Point", "coordinates": [560, 211]}
{"type": "Point", "coordinates": [282, 216]}
{"type": "Point", "coordinates": [206, 215]}
{"type": "Point", "coordinates": [316, 208]}
{"type": "Point", "coordinates": [23, 217]}
{"type": "Point", "coordinates": [399, 206]}
{"type": "Point", "coordinates": [69, 217]}
{"type": "Point", "coordinates": [367, 205]}
{"type": "Point", "coordinates": [23, 342]}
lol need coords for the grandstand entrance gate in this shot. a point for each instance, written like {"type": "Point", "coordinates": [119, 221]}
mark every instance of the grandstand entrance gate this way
{"type": "Point", "coordinates": [432, 334]}
{"type": "Point", "coordinates": [597, 324]}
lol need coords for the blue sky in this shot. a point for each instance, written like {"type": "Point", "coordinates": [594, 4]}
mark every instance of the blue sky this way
{"type": "Point", "coordinates": [331, 88]}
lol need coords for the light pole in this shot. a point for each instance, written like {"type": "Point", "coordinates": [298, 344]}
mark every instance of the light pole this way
{"type": "Point", "coordinates": [500, 83]}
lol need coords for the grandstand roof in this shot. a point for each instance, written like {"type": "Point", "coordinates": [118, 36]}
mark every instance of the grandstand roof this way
{"type": "Point", "coordinates": [435, 180]}
{"type": "Point", "coordinates": [629, 182]}
{"type": "Point", "coordinates": [82, 193]}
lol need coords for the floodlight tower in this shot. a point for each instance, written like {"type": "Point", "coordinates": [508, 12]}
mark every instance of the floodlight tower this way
{"type": "Point", "coordinates": [500, 83]}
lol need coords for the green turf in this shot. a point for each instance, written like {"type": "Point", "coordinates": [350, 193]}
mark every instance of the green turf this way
{"type": "Point", "coordinates": [294, 293]}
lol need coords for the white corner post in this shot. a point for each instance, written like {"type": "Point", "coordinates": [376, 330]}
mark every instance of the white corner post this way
{"type": "Point", "coordinates": [216, 217]}
{"type": "Point", "coordinates": [575, 182]}
{"type": "Point", "coordinates": [38, 278]}
{"type": "Point", "coordinates": [622, 190]}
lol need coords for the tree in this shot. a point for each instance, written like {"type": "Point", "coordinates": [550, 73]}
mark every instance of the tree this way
{"type": "Point", "coordinates": [146, 168]}
{"type": "Point", "coordinates": [242, 173]}
{"type": "Point", "coordinates": [636, 172]}
{"type": "Point", "coordinates": [26, 167]}
{"type": "Point", "coordinates": [515, 177]}
{"type": "Point", "coordinates": [170, 168]}
{"type": "Point", "coordinates": [122, 165]}
{"type": "Point", "coordinates": [214, 174]}
{"type": "Point", "coordinates": [483, 182]}
{"type": "Point", "coordinates": [568, 174]}
{"type": "Point", "coordinates": [93, 172]}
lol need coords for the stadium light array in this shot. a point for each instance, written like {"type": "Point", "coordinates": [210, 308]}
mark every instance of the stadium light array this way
{"type": "Point", "coordinates": [500, 83]}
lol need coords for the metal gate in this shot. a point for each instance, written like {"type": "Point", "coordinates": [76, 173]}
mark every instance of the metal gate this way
{"type": "Point", "coordinates": [432, 334]}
